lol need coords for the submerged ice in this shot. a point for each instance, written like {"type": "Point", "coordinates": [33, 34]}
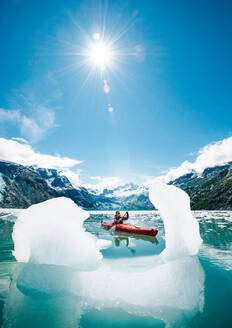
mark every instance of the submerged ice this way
{"type": "Point", "coordinates": [66, 260]}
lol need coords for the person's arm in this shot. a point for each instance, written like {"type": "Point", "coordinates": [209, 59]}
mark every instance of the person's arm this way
{"type": "Point", "coordinates": [126, 216]}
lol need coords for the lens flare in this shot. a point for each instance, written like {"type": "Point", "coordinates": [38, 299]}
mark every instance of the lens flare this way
{"type": "Point", "coordinates": [100, 54]}
{"type": "Point", "coordinates": [106, 87]}
{"type": "Point", "coordinates": [96, 36]}
{"type": "Point", "coordinates": [110, 108]}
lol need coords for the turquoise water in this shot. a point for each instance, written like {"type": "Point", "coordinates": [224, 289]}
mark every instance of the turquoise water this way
{"type": "Point", "coordinates": [46, 296]}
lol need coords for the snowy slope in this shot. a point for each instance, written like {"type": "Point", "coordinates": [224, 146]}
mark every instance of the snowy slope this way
{"type": "Point", "coordinates": [128, 196]}
{"type": "Point", "coordinates": [54, 178]}
{"type": "Point", "coordinates": [2, 186]}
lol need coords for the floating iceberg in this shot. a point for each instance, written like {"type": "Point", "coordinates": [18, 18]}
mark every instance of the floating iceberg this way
{"type": "Point", "coordinates": [181, 228]}
{"type": "Point", "coordinates": [65, 261]}
{"type": "Point", "coordinates": [52, 233]}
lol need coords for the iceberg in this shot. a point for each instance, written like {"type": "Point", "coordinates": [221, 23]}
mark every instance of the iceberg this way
{"type": "Point", "coordinates": [182, 233]}
{"type": "Point", "coordinates": [52, 233]}
{"type": "Point", "coordinates": [65, 262]}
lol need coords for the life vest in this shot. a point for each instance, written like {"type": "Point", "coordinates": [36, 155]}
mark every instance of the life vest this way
{"type": "Point", "coordinates": [118, 219]}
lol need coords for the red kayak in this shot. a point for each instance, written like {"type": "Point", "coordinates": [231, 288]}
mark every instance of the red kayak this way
{"type": "Point", "coordinates": [130, 228]}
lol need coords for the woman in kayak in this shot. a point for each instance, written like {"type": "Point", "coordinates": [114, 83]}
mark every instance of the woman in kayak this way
{"type": "Point", "coordinates": [118, 219]}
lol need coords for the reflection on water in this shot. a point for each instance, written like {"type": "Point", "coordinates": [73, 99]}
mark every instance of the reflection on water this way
{"type": "Point", "coordinates": [216, 231]}
{"type": "Point", "coordinates": [128, 239]}
{"type": "Point", "coordinates": [131, 236]}
{"type": "Point", "coordinates": [128, 244]}
{"type": "Point", "coordinates": [130, 289]}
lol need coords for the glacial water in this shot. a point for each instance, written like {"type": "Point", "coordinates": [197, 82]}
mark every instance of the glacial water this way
{"type": "Point", "coordinates": [39, 295]}
{"type": "Point", "coordinates": [196, 292]}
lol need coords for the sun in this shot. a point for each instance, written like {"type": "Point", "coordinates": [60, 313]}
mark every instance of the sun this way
{"type": "Point", "coordinates": [100, 54]}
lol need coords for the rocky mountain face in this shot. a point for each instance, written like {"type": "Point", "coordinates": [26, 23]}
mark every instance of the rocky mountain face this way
{"type": "Point", "coordinates": [22, 186]}
{"type": "Point", "coordinates": [212, 190]}
{"type": "Point", "coordinates": [81, 196]}
{"type": "Point", "coordinates": [54, 178]}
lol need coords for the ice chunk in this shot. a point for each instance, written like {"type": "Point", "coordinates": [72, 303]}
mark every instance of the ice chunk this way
{"type": "Point", "coordinates": [45, 280]}
{"type": "Point", "coordinates": [51, 233]}
{"type": "Point", "coordinates": [172, 291]}
{"type": "Point", "coordinates": [39, 297]}
{"type": "Point", "coordinates": [103, 244]}
{"type": "Point", "coordinates": [181, 228]}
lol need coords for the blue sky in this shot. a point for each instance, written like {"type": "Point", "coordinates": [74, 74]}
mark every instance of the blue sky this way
{"type": "Point", "coordinates": [170, 81]}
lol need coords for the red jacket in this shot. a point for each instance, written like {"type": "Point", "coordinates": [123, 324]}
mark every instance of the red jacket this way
{"type": "Point", "coordinates": [119, 219]}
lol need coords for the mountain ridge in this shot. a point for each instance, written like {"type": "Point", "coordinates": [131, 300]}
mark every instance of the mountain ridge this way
{"type": "Point", "coordinates": [22, 186]}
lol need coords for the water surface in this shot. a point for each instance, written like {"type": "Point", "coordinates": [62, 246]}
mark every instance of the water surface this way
{"type": "Point", "coordinates": [51, 307]}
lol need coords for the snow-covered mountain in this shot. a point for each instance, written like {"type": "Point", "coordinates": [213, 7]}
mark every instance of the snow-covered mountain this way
{"type": "Point", "coordinates": [211, 190]}
{"type": "Point", "coordinates": [129, 196]}
{"type": "Point", "coordinates": [54, 178]}
{"type": "Point", "coordinates": [80, 195]}
{"type": "Point", "coordinates": [22, 186]}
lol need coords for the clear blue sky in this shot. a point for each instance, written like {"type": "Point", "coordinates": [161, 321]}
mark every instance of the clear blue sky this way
{"type": "Point", "coordinates": [169, 100]}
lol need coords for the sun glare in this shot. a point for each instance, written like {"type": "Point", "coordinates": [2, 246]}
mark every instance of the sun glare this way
{"type": "Point", "coordinates": [100, 54]}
